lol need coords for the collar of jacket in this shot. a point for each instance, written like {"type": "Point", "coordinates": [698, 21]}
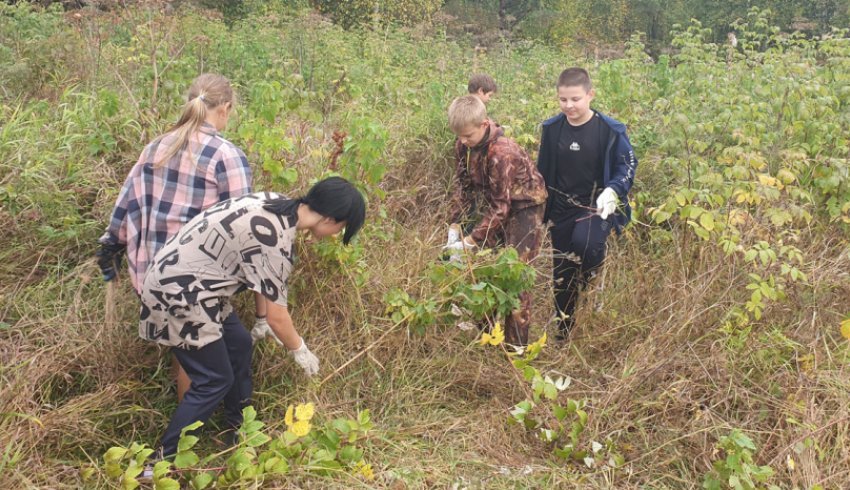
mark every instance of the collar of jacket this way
{"type": "Point", "coordinates": [612, 123]}
{"type": "Point", "coordinates": [494, 131]}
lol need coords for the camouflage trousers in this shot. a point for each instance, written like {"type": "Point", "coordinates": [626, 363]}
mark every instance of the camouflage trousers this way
{"type": "Point", "coordinates": [524, 231]}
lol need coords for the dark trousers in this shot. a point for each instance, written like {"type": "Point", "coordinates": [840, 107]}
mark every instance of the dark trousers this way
{"type": "Point", "coordinates": [524, 231]}
{"type": "Point", "coordinates": [219, 371]}
{"type": "Point", "coordinates": [578, 243]}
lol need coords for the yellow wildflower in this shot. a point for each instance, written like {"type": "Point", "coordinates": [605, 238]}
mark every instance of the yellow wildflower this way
{"type": "Point", "coordinates": [304, 411]}
{"type": "Point", "coordinates": [366, 471]}
{"type": "Point", "coordinates": [300, 428]}
{"type": "Point", "coordinates": [845, 329]}
{"type": "Point", "coordinates": [288, 417]}
{"type": "Point", "coordinates": [541, 342]}
{"type": "Point", "coordinates": [495, 337]}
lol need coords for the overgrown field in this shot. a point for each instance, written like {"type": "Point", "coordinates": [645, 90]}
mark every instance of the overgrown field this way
{"type": "Point", "coordinates": [714, 349]}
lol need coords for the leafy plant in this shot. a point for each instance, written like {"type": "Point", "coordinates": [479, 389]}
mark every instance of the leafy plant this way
{"type": "Point", "coordinates": [485, 287]}
{"type": "Point", "coordinates": [737, 469]}
{"type": "Point", "coordinates": [559, 424]}
{"type": "Point", "coordinates": [324, 449]}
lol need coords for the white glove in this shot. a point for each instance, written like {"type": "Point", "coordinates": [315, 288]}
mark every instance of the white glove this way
{"type": "Point", "coordinates": [262, 330]}
{"type": "Point", "coordinates": [306, 359]}
{"type": "Point", "coordinates": [606, 203]}
{"type": "Point", "coordinates": [454, 234]}
{"type": "Point", "coordinates": [466, 244]}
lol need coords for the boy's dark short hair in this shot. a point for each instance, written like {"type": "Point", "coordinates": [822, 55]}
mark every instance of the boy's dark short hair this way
{"type": "Point", "coordinates": [575, 76]}
{"type": "Point", "coordinates": [481, 81]}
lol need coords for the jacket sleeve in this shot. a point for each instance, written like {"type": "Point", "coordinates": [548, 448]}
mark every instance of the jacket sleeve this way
{"type": "Point", "coordinates": [624, 166]}
{"type": "Point", "coordinates": [501, 174]}
{"type": "Point", "coordinates": [543, 165]}
{"type": "Point", "coordinates": [460, 200]}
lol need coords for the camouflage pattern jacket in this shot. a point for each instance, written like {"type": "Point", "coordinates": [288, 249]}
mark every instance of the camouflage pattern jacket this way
{"type": "Point", "coordinates": [501, 171]}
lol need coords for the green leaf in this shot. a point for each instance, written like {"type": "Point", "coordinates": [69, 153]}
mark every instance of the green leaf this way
{"type": "Point", "coordinates": [185, 459]}
{"type": "Point", "coordinates": [560, 412]}
{"type": "Point", "coordinates": [167, 484]}
{"type": "Point", "coordinates": [706, 220]}
{"type": "Point", "coordinates": [86, 473]}
{"type": "Point", "coordinates": [113, 470]}
{"type": "Point", "coordinates": [189, 428]}
{"type": "Point", "coordinates": [160, 469]}
{"type": "Point", "coordinates": [550, 391]}
{"type": "Point", "coordinates": [330, 440]}
{"type": "Point", "coordinates": [114, 454]}
{"type": "Point", "coordinates": [565, 452]}
{"type": "Point", "coordinates": [257, 439]}
{"type": "Point", "coordinates": [582, 417]}
{"type": "Point", "coordinates": [276, 466]}
{"type": "Point", "coordinates": [252, 426]}
{"type": "Point", "coordinates": [741, 440]}
{"type": "Point", "coordinates": [186, 442]}
{"type": "Point", "coordinates": [128, 480]}
{"type": "Point", "coordinates": [350, 454]}
{"type": "Point", "coordinates": [202, 480]}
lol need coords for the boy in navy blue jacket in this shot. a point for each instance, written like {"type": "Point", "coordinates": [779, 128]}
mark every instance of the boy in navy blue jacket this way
{"type": "Point", "coordinates": [588, 165]}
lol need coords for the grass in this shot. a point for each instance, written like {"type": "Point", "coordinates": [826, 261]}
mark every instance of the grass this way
{"type": "Point", "coordinates": [664, 379]}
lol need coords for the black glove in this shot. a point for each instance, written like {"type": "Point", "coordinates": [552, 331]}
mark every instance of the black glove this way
{"type": "Point", "coordinates": [109, 260]}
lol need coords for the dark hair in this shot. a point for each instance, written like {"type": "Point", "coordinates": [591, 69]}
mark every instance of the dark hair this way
{"type": "Point", "coordinates": [572, 77]}
{"type": "Point", "coordinates": [481, 81]}
{"type": "Point", "coordinates": [333, 197]}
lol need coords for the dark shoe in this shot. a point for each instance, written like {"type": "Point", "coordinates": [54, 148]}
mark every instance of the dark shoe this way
{"type": "Point", "coordinates": [228, 438]}
{"type": "Point", "coordinates": [563, 333]}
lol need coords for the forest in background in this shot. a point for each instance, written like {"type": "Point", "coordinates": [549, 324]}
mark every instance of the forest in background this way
{"type": "Point", "coordinates": [603, 24]}
{"type": "Point", "coordinates": [714, 356]}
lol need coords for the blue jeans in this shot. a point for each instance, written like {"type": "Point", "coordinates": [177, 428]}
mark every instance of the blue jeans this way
{"type": "Point", "coordinates": [220, 371]}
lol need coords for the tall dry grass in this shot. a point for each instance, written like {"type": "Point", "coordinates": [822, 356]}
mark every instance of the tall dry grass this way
{"type": "Point", "coordinates": [662, 380]}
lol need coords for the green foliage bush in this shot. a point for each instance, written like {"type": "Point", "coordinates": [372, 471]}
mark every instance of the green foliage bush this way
{"type": "Point", "coordinates": [363, 12]}
{"type": "Point", "coordinates": [740, 210]}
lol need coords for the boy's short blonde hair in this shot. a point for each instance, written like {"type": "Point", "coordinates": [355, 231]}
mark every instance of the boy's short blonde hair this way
{"type": "Point", "coordinates": [466, 111]}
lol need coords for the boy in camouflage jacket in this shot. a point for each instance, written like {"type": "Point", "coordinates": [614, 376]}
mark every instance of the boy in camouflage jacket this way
{"type": "Point", "coordinates": [494, 170]}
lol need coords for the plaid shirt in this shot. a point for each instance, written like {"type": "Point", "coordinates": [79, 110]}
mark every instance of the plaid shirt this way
{"type": "Point", "coordinates": [155, 202]}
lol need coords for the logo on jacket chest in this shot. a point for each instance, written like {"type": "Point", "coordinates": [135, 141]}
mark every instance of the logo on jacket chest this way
{"type": "Point", "coordinates": [574, 146]}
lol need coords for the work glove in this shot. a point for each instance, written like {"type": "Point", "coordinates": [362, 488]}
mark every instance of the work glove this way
{"type": "Point", "coordinates": [109, 260]}
{"type": "Point", "coordinates": [306, 359]}
{"type": "Point", "coordinates": [466, 244]}
{"type": "Point", "coordinates": [452, 238]}
{"type": "Point", "coordinates": [606, 203]}
{"type": "Point", "coordinates": [262, 330]}
{"type": "Point", "coordinates": [457, 248]}
{"type": "Point", "coordinates": [453, 234]}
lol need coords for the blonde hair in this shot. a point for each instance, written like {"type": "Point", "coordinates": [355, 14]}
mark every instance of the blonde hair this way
{"type": "Point", "coordinates": [466, 111]}
{"type": "Point", "coordinates": [208, 91]}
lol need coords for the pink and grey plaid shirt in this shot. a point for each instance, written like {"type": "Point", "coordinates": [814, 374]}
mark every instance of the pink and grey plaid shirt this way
{"type": "Point", "coordinates": [155, 202]}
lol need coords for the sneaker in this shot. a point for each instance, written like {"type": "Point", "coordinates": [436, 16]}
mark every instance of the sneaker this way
{"type": "Point", "coordinates": [146, 476]}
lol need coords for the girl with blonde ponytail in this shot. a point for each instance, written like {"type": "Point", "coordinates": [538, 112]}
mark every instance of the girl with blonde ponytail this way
{"type": "Point", "coordinates": [178, 175]}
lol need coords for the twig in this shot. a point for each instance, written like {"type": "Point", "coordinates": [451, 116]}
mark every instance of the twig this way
{"type": "Point", "coordinates": [367, 349]}
{"type": "Point", "coordinates": [806, 436]}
